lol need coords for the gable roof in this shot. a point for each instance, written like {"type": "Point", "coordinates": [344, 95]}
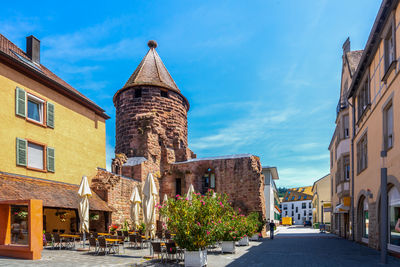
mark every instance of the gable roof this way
{"type": "Point", "coordinates": [304, 193]}
{"type": "Point", "coordinates": [353, 58]}
{"type": "Point", "coordinates": [12, 54]}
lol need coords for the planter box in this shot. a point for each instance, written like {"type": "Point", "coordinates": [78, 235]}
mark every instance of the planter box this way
{"type": "Point", "coordinates": [195, 258]}
{"type": "Point", "coordinates": [244, 241]}
{"type": "Point", "coordinates": [228, 246]}
{"type": "Point", "coordinates": [254, 237]}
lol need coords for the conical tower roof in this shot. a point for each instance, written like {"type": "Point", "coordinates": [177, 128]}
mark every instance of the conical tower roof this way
{"type": "Point", "coordinates": [152, 71]}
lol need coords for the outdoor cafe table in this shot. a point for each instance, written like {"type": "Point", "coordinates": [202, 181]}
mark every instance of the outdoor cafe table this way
{"type": "Point", "coordinates": [71, 236]}
{"type": "Point", "coordinates": [104, 234]}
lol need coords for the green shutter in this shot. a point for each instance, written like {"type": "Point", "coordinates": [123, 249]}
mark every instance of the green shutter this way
{"type": "Point", "coordinates": [50, 115]}
{"type": "Point", "coordinates": [50, 159]}
{"type": "Point", "coordinates": [21, 152]}
{"type": "Point", "coordinates": [20, 102]}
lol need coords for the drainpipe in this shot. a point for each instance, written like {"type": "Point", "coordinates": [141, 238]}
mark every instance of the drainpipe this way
{"type": "Point", "coordinates": [352, 168]}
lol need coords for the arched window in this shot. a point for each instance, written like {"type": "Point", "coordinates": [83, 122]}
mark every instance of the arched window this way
{"type": "Point", "coordinates": [208, 180]}
{"type": "Point", "coordinates": [365, 219]}
{"type": "Point", "coordinates": [394, 216]}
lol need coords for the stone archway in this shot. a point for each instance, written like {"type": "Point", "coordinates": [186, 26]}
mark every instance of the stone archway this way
{"type": "Point", "coordinates": [362, 223]}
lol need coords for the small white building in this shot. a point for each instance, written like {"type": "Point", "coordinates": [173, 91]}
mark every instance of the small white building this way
{"type": "Point", "coordinates": [271, 194]}
{"type": "Point", "coordinates": [297, 204]}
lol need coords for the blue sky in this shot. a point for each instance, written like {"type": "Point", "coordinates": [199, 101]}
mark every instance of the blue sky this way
{"type": "Point", "coordinates": [262, 77]}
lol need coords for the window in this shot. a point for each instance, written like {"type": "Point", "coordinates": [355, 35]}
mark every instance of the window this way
{"type": "Point", "coordinates": [305, 197]}
{"type": "Point", "coordinates": [287, 198]}
{"type": "Point", "coordinates": [346, 168]}
{"type": "Point", "coordinates": [297, 209]}
{"type": "Point", "coordinates": [292, 197]}
{"type": "Point", "coordinates": [331, 159]}
{"type": "Point", "coordinates": [394, 216]}
{"type": "Point", "coordinates": [292, 213]}
{"type": "Point", "coordinates": [365, 219]}
{"type": "Point", "coordinates": [305, 213]}
{"type": "Point", "coordinates": [138, 93]}
{"type": "Point", "coordinates": [299, 198]}
{"type": "Point", "coordinates": [362, 154]}
{"type": "Point", "coordinates": [34, 155]}
{"type": "Point", "coordinates": [298, 216]}
{"type": "Point", "coordinates": [292, 206]}
{"type": "Point", "coordinates": [19, 225]}
{"type": "Point", "coordinates": [285, 213]}
{"type": "Point", "coordinates": [178, 186]}
{"type": "Point", "coordinates": [302, 190]}
{"type": "Point", "coordinates": [33, 108]}
{"type": "Point", "coordinates": [164, 93]}
{"type": "Point", "coordinates": [309, 205]}
{"type": "Point", "coordinates": [285, 207]}
{"type": "Point", "coordinates": [303, 205]}
{"type": "Point", "coordinates": [363, 98]}
{"type": "Point", "coordinates": [388, 126]}
{"type": "Point", "coordinates": [310, 218]}
{"type": "Point", "coordinates": [389, 45]}
{"type": "Point", "coordinates": [346, 133]}
{"type": "Point", "coordinates": [310, 213]}
{"type": "Point", "coordinates": [208, 181]}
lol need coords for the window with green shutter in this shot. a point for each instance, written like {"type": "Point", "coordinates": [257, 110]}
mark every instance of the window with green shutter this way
{"type": "Point", "coordinates": [21, 152]}
{"type": "Point", "coordinates": [20, 102]}
{"type": "Point", "coordinates": [50, 159]}
{"type": "Point", "coordinates": [50, 115]}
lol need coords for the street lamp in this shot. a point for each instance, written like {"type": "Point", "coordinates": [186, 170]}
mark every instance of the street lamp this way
{"type": "Point", "coordinates": [384, 208]}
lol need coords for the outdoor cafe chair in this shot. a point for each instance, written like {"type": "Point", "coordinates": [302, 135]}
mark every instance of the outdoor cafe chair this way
{"type": "Point", "coordinates": [94, 243]}
{"type": "Point", "coordinates": [58, 241]}
{"type": "Point", "coordinates": [49, 240]}
{"type": "Point", "coordinates": [132, 240]}
{"type": "Point", "coordinates": [126, 235]}
{"type": "Point", "coordinates": [158, 250]}
{"type": "Point", "coordinates": [117, 244]}
{"type": "Point", "coordinates": [104, 246]}
{"type": "Point", "coordinates": [172, 250]}
{"type": "Point", "coordinates": [167, 235]}
{"type": "Point", "coordinates": [139, 240]}
{"type": "Point", "coordinates": [159, 235]}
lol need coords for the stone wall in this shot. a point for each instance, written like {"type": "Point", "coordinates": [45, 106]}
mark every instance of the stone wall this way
{"type": "Point", "coordinates": [146, 124]}
{"type": "Point", "coordinates": [240, 178]}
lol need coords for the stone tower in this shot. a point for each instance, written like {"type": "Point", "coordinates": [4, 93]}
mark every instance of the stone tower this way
{"type": "Point", "coordinates": [151, 114]}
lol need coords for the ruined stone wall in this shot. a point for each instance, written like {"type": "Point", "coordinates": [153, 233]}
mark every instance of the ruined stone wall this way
{"type": "Point", "coordinates": [240, 178]}
{"type": "Point", "coordinates": [147, 124]}
{"type": "Point", "coordinates": [117, 190]}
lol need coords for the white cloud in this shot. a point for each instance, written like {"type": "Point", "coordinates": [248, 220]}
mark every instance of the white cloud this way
{"type": "Point", "coordinates": [293, 177]}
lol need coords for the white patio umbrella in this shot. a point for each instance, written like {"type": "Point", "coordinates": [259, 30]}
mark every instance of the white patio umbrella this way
{"type": "Point", "coordinates": [135, 206]}
{"type": "Point", "coordinates": [190, 192]}
{"type": "Point", "coordinates": [164, 218]}
{"type": "Point", "coordinates": [84, 192]}
{"type": "Point", "coordinates": [149, 200]}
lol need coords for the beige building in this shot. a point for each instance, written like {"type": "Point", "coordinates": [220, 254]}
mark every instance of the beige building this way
{"type": "Point", "coordinates": [372, 100]}
{"type": "Point", "coordinates": [321, 202]}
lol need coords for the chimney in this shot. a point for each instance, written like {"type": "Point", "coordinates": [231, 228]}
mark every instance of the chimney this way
{"type": "Point", "coordinates": [346, 46]}
{"type": "Point", "coordinates": [33, 48]}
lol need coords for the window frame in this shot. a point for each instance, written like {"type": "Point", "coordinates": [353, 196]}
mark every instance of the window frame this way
{"type": "Point", "coordinates": [389, 33]}
{"type": "Point", "coordinates": [44, 156]}
{"type": "Point", "coordinates": [362, 153]}
{"type": "Point", "coordinates": [43, 105]}
{"type": "Point", "coordinates": [363, 94]}
{"type": "Point", "coordinates": [386, 134]}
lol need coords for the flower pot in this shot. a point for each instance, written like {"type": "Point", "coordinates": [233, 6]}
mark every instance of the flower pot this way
{"type": "Point", "coordinates": [196, 258]}
{"type": "Point", "coordinates": [244, 241]}
{"type": "Point", "coordinates": [228, 246]}
{"type": "Point", "coordinates": [254, 237]}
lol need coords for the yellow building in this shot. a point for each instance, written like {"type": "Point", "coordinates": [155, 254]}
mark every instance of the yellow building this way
{"type": "Point", "coordinates": [372, 101]}
{"type": "Point", "coordinates": [50, 132]}
{"type": "Point", "coordinates": [322, 204]}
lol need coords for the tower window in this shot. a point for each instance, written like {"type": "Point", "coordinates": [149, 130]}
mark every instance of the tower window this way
{"type": "Point", "coordinates": [164, 93]}
{"type": "Point", "coordinates": [138, 93]}
{"type": "Point", "coordinates": [178, 186]}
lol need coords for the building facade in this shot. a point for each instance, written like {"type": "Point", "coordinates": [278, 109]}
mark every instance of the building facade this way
{"type": "Point", "coordinates": [373, 97]}
{"type": "Point", "coordinates": [297, 204]}
{"type": "Point", "coordinates": [44, 154]}
{"type": "Point", "coordinates": [272, 202]}
{"type": "Point", "coordinates": [322, 200]}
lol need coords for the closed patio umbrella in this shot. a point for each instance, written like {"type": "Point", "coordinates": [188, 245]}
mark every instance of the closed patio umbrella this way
{"type": "Point", "coordinates": [164, 218]}
{"type": "Point", "coordinates": [149, 200]}
{"type": "Point", "coordinates": [84, 192]}
{"type": "Point", "coordinates": [135, 206]}
{"type": "Point", "coordinates": [190, 192]}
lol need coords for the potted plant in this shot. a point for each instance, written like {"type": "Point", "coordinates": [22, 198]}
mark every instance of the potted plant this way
{"type": "Point", "coordinates": [194, 223]}
{"type": "Point", "coordinates": [250, 224]}
{"type": "Point", "coordinates": [231, 231]}
{"type": "Point", "coordinates": [259, 225]}
{"type": "Point", "coordinates": [112, 228]}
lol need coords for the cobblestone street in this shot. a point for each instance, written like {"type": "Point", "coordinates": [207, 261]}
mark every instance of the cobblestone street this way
{"type": "Point", "coordinates": [292, 246]}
